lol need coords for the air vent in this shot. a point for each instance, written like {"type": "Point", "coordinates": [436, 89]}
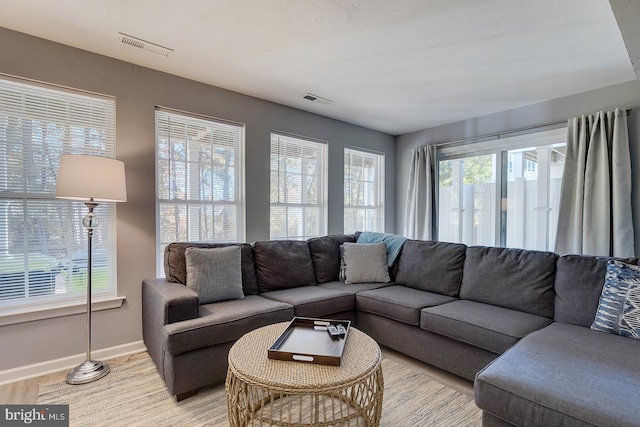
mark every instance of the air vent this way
{"type": "Point", "coordinates": [145, 45]}
{"type": "Point", "coordinates": [317, 99]}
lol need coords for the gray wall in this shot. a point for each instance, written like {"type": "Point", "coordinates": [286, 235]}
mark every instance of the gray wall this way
{"type": "Point", "coordinates": [622, 95]}
{"type": "Point", "coordinates": [138, 90]}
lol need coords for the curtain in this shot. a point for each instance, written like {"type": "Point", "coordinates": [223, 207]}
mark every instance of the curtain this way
{"type": "Point", "coordinates": [595, 202]}
{"type": "Point", "coordinates": [420, 209]}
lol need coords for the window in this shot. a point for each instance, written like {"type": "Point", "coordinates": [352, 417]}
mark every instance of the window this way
{"type": "Point", "coordinates": [467, 200]}
{"type": "Point", "coordinates": [504, 192]}
{"type": "Point", "coordinates": [363, 191]}
{"type": "Point", "coordinates": [199, 180]}
{"type": "Point", "coordinates": [43, 245]}
{"type": "Point", "coordinates": [298, 188]}
{"type": "Point", "coordinates": [533, 196]}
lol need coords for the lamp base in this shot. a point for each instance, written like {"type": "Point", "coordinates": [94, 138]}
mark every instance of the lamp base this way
{"type": "Point", "coordinates": [88, 371]}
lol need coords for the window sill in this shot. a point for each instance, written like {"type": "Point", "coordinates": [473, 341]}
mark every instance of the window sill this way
{"type": "Point", "coordinates": [29, 315]}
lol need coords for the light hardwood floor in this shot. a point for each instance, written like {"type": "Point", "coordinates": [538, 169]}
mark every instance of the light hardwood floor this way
{"type": "Point", "coordinates": [443, 377]}
{"type": "Point", "coordinates": [26, 392]}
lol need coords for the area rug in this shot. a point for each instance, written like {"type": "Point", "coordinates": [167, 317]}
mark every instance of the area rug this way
{"type": "Point", "coordinates": [133, 394]}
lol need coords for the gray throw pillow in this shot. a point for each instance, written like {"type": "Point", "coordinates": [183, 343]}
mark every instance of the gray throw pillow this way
{"type": "Point", "coordinates": [215, 274]}
{"type": "Point", "coordinates": [619, 306]}
{"type": "Point", "coordinates": [366, 263]}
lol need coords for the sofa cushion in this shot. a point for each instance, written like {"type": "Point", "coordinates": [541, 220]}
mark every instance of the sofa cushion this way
{"type": "Point", "coordinates": [399, 302]}
{"type": "Point", "coordinates": [564, 375]}
{"type": "Point", "coordinates": [578, 285]}
{"type": "Point", "coordinates": [224, 321]}
{"type": "Point", "coordinates": [619, 308]}
{"type": "Point", "coordinates": [175, 266]}
{"type": "Point", "coordinates": [313, 301]}
{"type": "Point", "coordinates": [325, 254]}
{"type": "Point", "coordinates": [431, 266]}
{"type": "Point", "coordinates": [214, 273]}
{"type": "Point", "coordinates": [283, 264]}
{"type": "Point", "coordinates": [511, 278]}
{"type": "Point", "coordinates": [486, 326]}
{"type": "Point", "coordinates": [366, 263]}
{"type": "Point", "coordinates": [352, 288]}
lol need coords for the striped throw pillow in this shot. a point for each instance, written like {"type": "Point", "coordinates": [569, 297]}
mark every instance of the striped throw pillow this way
{"type": "Point", "coordinates": [619, 306]}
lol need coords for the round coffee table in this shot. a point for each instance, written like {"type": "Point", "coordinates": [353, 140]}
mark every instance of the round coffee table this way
{"type": "Point", "coordinates": [262, 391]}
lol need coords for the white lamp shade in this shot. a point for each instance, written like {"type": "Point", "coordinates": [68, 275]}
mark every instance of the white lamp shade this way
{"type": "Point", "coordinates": [83, 177]}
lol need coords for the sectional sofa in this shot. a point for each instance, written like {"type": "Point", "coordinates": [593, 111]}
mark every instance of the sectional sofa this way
{"type": "Point", "coordinates": [515, 321]}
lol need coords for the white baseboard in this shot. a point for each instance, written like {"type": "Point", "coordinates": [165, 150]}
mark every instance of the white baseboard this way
{"type": "Point", "coordinates": [43, 368]}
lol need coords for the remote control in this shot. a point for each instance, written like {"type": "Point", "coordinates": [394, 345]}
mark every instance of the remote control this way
{"type": "Point", "coordinates": [341, 330]}
{"type": "Point", "coordinates": [333, 331]}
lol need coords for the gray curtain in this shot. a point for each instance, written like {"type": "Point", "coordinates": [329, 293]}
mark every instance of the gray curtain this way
{"type": "Point", "coordinates": [595, 204]}
{"type": "Point", "coordinates": [420, 213]}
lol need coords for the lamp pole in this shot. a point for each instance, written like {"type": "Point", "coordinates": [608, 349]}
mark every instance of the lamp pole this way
{"type": "Point", "coordinates": [89, 370]}
{"type": "Point", "coordinates": [89, 222]}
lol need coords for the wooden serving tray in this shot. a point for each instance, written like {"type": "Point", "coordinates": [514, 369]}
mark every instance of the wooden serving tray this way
{"type": "Point", "coordinates": [307, 340]}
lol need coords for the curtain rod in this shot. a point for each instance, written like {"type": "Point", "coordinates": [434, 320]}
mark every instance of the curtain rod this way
{"type": "Point", "coordinates": [507, 132]}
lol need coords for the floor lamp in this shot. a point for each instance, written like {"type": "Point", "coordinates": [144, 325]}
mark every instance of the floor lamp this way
{"type": "Point", "coordinates": [91, 180]}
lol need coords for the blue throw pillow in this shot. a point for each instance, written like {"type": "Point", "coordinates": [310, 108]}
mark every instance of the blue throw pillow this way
{"type": "Point", "coordinates": [619, 306]}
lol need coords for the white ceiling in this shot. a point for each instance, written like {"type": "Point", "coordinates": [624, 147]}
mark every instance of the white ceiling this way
{"type": "Point", "coordinates": [390, 65]}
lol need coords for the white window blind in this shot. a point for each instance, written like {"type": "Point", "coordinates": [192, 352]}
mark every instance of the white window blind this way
{"type": "Point", "coordinates": [298, 188]}
{"type": "Point", "coordinates": [363, 191]}
{"type": "Point", "coordinates": [199, 180]}
{"type": "Point", "coordinates": [43, 246]}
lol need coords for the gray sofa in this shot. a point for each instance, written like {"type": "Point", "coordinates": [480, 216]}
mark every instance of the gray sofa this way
{"type": "Point", "coordinates": [517, 319]}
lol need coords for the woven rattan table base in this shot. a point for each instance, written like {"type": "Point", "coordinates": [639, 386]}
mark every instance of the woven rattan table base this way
{"type": "Point", "coordinates": [265, 392]}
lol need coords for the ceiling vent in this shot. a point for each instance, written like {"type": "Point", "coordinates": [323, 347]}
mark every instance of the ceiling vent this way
{"type": "Point", "coordinates": [317, 99]}
{"type": "Point", "coordinates": [145, 45]}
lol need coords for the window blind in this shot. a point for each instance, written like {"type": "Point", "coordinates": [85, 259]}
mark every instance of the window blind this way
{"type": "Point", "coordinates": [298, 188]}
{"type": "Point", "coordinates": [199, 180]}
{"type": "Point", "coordinates": [363, 191]}
{"type": "Point", "coordinates": [43, 245]}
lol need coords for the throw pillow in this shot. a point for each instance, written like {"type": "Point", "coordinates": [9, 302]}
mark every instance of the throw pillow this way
{"type": "Point", "coordinates": [215, 274]}
{"type": "Point", "coordinates": [175, 264]}
{"type": "Point", "coordinates": [342, 273]}
{"type": "Point", "coordinates": [366, 263]}
{"type": "Point", "coordinates": [619, 306]}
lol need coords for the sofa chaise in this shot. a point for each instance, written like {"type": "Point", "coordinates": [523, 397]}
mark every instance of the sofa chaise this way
{"type": "Point", "coordinates": [518, 319]}
{"type": "Point", "coordinates": [566, 374]}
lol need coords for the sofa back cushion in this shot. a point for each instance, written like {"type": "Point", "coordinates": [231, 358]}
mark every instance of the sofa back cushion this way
{"type": "Point", "coordinates": [518, 279]}
{"type": "Point", "coordinates": [578, 285]}
{"type": "Point", "coordinates": [325, 254]}
{"type": "Point", "coordinates": [175, 265]}
{"type": "Point", "coordinates": [431, 266]}
{"type": "Point", "coordinates": [283, 264]}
